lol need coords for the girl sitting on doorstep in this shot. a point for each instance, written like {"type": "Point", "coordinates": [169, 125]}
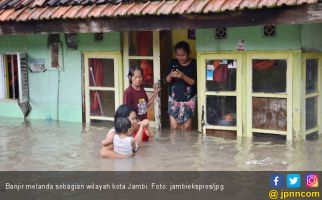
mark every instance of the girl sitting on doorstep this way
{"type": "Point", "coordinates": [137, 128]}
{"type": "Point", "coordinates": [135, 95]}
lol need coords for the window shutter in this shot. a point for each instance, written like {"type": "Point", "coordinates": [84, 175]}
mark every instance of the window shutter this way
{"type": "Point", "coordinates": [23, 84]}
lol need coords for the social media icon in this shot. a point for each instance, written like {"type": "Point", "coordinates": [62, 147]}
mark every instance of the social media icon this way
{"type": "Point", "coordinates": [293, 180]}
{"type": "Point", "coordinates": [277, 180]}
{"type": "Point", "coordinates": [312, 180]}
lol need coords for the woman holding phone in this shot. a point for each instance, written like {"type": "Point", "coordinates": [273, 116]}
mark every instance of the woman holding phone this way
{"type": "Point", "coordinates": [181, 75]}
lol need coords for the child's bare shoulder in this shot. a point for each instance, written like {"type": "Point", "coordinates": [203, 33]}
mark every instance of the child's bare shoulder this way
{"type": "Point", "coordinates": [110, 134]}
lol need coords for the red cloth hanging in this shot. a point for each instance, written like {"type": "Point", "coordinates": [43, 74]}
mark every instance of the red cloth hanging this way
{"type": "Point", "coordinates": [220, 72]}
{"type": "Point", "coordinates": [147, 72]}
{"type": "Point", "coordinates": [264, 64]}
{"type": "Point", "coordinates": [98, 73]}
{"type": "Point", "coordinates": [144, 39]}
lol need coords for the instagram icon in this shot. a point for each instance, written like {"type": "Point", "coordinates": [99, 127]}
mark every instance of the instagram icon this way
{"type": "Point", "coordinates": [312, 180]}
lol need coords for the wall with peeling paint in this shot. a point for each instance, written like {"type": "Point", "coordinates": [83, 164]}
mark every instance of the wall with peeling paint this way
{"type": "Point", "coordinates": [44, 86]}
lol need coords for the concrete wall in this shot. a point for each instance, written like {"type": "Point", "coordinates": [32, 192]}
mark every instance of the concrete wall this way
{"type": "Point", "coordinates": [44, 86]}
{"type": "Point", "coordinates": [288, 37]}
{"type": "Point", "coordinates": [311, 37]}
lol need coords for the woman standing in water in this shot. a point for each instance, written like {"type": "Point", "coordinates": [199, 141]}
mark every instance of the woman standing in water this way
{"type": "Point", "coordinates": [181, 75]}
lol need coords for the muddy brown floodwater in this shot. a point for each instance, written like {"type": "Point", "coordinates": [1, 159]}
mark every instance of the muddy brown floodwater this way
{"type": "Point", "coordinates": [48, 145]}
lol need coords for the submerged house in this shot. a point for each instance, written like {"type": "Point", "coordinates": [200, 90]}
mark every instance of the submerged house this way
{"type": "Point", "coordinates": [259, 61]}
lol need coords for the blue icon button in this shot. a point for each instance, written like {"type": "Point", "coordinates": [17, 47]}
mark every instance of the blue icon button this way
{"type": "Point", "coordinates": [293, 180]}
{"type": "Point", "coordinates": [277, 180]}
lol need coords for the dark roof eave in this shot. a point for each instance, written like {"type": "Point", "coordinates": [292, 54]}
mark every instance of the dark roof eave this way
{"type": "Point", "coordinates": [283, 15]}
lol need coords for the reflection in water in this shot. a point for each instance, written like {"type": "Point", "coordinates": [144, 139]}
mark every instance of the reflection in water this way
{"type": "Point", "coordinates": [47, 145]}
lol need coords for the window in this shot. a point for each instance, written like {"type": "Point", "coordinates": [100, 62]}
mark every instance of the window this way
{"type": "Point", "coordinates": [141, 43]}
{"type": "Point", "coordinates": [102, 85]}
{"type": "Point", "coordinates": [312, 94]}
{"type": "Point", "coordinates": [270, 113]}
{"type": "Point", "coordinates": [269, 75]}
{"type": "Point", "coordinates": [9, 76]}
{"type": "Point", "coordinates": [269, 97]}
{"type": "Point", "coordinates": [141, 48]}
{"type": "Point", "coordinates": [222, 104]}
{"type": "Point", "coordinates": [13, 77]}
{"type": "Point", "coordinates": [221, 75]}
{"type": "Point", "coordinates": [221, 110]}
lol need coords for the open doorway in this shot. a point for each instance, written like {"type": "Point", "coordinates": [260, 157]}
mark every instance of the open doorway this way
{"type": "Point", "coordinates": [165, 57]}
{"type": "Point", "coordinates": [168, 40]}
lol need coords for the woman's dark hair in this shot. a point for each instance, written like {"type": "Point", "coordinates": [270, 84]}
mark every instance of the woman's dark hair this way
{"type": "Point", "coordinates": [183, 45]}
{"type": "Point", "coordinates": [132, 70]}
{"type": "Point", "coordinates": [122, 125]}
{"type": "Point", "coordinates": [123, 111]}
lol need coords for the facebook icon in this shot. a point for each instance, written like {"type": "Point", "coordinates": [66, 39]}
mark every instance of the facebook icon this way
{"type": "Point", "coordinates": [277, 180]}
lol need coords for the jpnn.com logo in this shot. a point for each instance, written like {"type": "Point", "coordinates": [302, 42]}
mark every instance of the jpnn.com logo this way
{"type": "Point", "coordinates": [294, 181]}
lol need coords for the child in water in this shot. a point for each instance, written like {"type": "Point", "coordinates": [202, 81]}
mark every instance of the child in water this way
{"type": "Point", "coordinates": [123, 141]}
{"type": "Point", "coordinates": [137, 129]}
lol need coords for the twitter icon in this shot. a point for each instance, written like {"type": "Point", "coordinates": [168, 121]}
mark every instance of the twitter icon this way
{"type": "Point", "coordinates": [293, 180]}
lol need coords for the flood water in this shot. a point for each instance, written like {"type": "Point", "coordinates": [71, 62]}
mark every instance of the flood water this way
{"type": "Point", "coordinates": [48, 145]}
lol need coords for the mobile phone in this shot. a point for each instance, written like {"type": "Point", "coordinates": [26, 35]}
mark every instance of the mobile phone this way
{"type": "Point", "coordinates": [174, 67]}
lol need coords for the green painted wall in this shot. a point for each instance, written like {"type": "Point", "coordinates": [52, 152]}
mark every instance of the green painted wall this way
{"type": "Point", "coordinates": [44, 86]}
{"type": "Point", "coordinates": [311, 37]}
{"type": "Point", "coordinates": [288, 37]}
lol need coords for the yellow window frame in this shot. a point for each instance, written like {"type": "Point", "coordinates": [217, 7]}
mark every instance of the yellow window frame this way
{"type": "Point", "coordinates": [202, 93]}
{"type": "Point", "coordinates": [306, 56]}
{"type": "Point", "coordinates": [118, 85]}
{"type": "Point", "coordinates": [156, 70]}
{"type": "Point", "coordinates": [288, 56]}
{"type": "Point", "coordinates": [244, 84]}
